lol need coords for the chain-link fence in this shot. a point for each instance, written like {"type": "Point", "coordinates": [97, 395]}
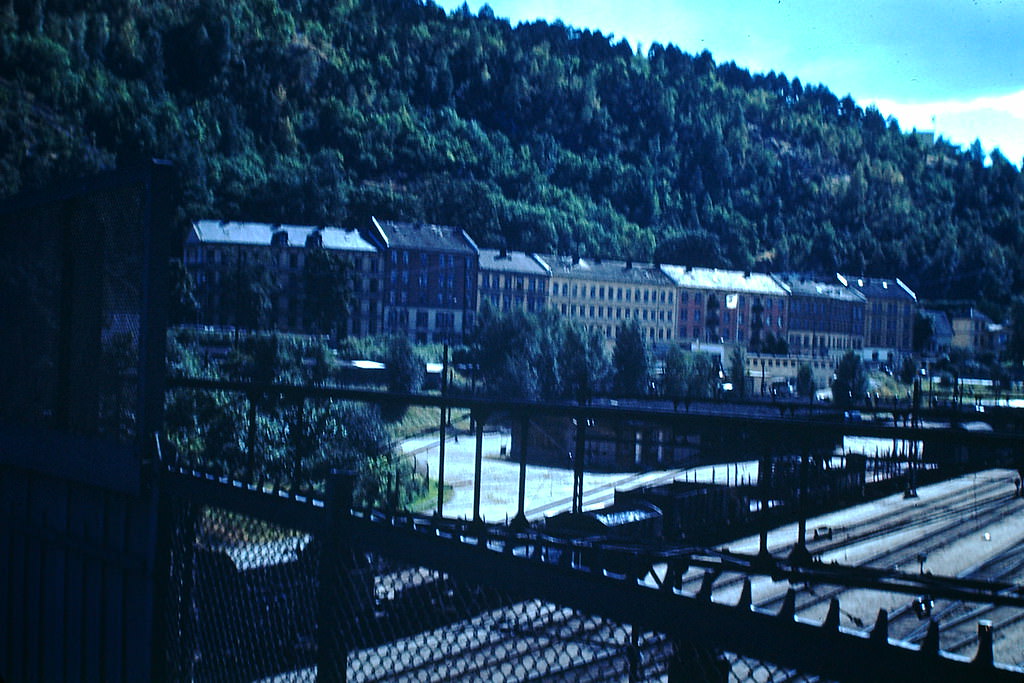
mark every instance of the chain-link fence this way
{"type": "Point", "coordinates": [254, 601]}
{"type": "Point", "coordinates": [80, 325]}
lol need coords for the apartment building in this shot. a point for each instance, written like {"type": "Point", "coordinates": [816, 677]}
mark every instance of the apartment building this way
{"type": "Point", "coordinates": [430, 280]}
{"type": "Point", "coordinates": [218, 251]}
{"type": "Point", "coordinates": [512, 280]}
{"type": "Point", "coordinates": [728, 306]}
{"type": "Point", "coordinates": [603, 294]}
{"type": "Point", "coordinates": [826, 319]}
{"type": "Point", "coordinates": [888, 318]}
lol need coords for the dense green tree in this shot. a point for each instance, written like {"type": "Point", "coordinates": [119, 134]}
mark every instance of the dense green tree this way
{"type": "Point", "coordinates": [328, 290]}
{"type": "Point", "coordinates": [404, 368]}
{"type": "Point", "coordinates": [630, 361]}
{"type": "Point", "coordinates": [583, 362]}
{"type": "Point", "coordinates": [183, 306]}
{"type": "Point", "coordinates": [850, 383]}
{"type": "Point", "coordinates": [804, 380]}
{"type": "Point", "coordinates": [923, 333]}
{"type": "Point", "coordinates": [738, 372]}
{"type": "Point", "coordinates": [689, 376]}
{"type": "Point", "coordinates": [295, 443]}
{"type": "Point", "coordinates": [249, 289]}
{"type": "Point", "coordinates": [1015, 349]}
{"type": "Point", "coordinates": [541, 137]}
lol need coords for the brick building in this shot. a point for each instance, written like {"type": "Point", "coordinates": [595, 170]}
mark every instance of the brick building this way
{"type": "Point", "coordinates": [888, 318]}
{"type": "Point", "coordinates": [217, 251]}
{"type": "Point", "coordinates": [826, 319]}
{"type": "Point", "coordinates": [430, 280]}
{"type": "Point", "coordinates": [727, 306]}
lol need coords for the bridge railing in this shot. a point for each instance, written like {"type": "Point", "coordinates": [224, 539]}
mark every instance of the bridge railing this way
{"type": "Point", "coordinates": [265, 585]}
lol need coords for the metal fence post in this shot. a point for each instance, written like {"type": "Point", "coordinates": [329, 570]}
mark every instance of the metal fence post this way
{"type": "Point", "coordinates": [332, 650]}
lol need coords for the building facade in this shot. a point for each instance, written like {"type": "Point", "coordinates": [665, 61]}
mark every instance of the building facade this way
{"type": "Point", "coordinates": [512, 281]}
{"type": "Point", "coordinates": [430, 280]}
{"type": "Point", "coordinates": [826, 319]}
{"type": "Point", "coordinates": [273, 259]}
{"type": "Point", "coordinates": [888, 318]}
{"type": "Point", "coordinates": [727, 306]}
{"type": "Point", "coordinates": [602, 295]}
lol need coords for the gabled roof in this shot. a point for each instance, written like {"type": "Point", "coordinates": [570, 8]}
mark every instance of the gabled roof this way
{"type": "Point", "coordinates": [504, 261]}
{"type": "Point", "coordinates": [423, 237]}
{"type": "Point", "coordinates": [724, 280]}
{"type": "Point", "coordinates": [878, 287]}
{"type": "Point", "coordinates": [262, 234]}
{"type": "Point", "coordinates": [626, 272]}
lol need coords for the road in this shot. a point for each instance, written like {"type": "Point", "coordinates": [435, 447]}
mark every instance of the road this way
{"type": "Point", "coordinates": [548, 489]}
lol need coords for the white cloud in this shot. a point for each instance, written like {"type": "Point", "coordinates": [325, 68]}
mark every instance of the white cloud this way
{"type": "Point", "coordinates": [998, 121]}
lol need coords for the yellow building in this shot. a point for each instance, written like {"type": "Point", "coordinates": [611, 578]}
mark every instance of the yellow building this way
{"type": "Point", "coordinates": [603, 294]}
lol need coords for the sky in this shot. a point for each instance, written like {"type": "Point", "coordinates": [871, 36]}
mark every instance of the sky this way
{"type": "Point", "coordinates": [955, 67]}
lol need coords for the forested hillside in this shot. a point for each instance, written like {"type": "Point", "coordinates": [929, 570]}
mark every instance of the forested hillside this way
{"type": "Point", "coordinates": [538, 137]}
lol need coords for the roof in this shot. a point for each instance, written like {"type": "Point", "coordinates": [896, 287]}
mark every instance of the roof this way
{"type": "Point", "coordinates": [801, 285]}
{"type": "Point", "coordinates": [878, 287]}
{"type": "Point", "coordinates": [626, 272]}
{"type": "Point", "coordinates": [941, 327]}
{"type": "Point", "coordinates": [261, 234]}
{"type": "Point", "coordinates": [423, 237]}
{"type": "Point", "coordinates": [512, 262]}
{"type": "Point", "coordinates": [728, 280]}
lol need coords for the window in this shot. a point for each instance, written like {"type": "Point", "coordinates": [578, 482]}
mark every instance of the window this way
{"type": "Point", "coordinates": [600, 293]}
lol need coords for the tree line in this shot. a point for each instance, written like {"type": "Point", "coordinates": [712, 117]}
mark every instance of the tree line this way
{"type": "Point", "coordinates": [537, 137]}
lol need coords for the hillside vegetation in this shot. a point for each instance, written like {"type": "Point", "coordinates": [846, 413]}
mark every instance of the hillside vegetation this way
{"type": "Point", "coordinates": [537, 137]}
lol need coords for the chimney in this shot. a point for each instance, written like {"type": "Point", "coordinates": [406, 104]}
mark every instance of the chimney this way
{"type": "Point", "coordinates": [503, 253]}
{"type": "Point", "coordinates": [629, 263]}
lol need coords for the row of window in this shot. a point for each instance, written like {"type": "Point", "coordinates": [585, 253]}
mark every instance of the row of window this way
{"type": "Point", "coordinates": [651, 333]}
{"type": "Point", "coordinates": [803, 341]}
{"type": "Point", "coordinates": [518, 282]}
{"type": "Point", "coordinates": [757, 363]}
{"type": "Point", "coordinates": [618, 313]}
{"type": "Point", "coordinates": [598, 292]}
{"type": "Point", "coordinates": [403, 258]}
